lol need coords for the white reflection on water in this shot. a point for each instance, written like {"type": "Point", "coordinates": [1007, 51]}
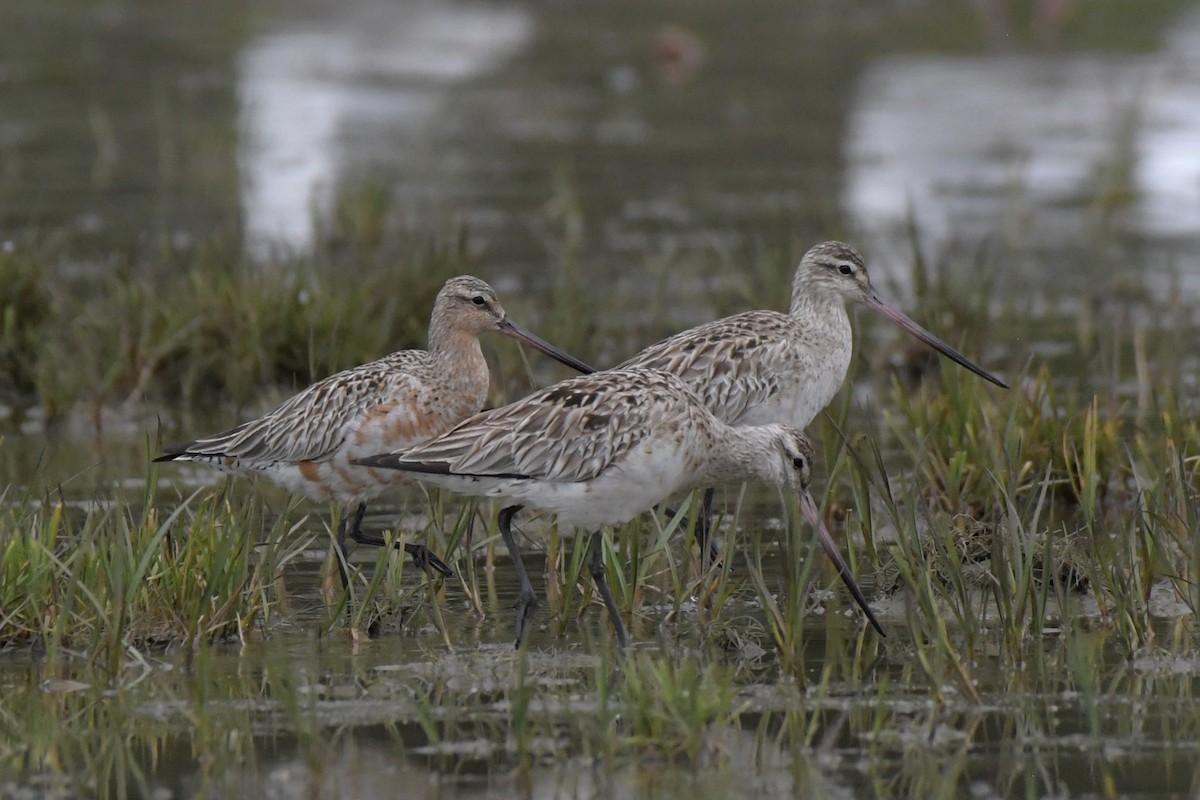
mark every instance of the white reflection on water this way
{"type": "Point", "coordinates": [361, 85]}
{"type": "Point", "coordinates": [970, 144]}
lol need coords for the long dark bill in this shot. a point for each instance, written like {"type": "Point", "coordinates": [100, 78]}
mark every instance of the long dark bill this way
{"type": "Point", "coordinates": [885, 309]}
{"type": "Point", "coordinates": [510, 328]}
{"type": "Point", "coordinates": [809, 509]}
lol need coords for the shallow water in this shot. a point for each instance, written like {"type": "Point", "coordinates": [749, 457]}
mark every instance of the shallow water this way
{"type": "Point", "coordinates": [619, 131]}
{"type": "Point", "coordinates": [653, 144]}
{"type": "Point", "coordinates": [306, 715]}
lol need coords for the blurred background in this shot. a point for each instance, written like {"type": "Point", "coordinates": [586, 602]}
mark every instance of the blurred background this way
{"type": "Point", "coordinates": [1064, 134]}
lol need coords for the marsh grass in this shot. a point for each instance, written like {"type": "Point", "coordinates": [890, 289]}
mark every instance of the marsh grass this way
{"type": "Point", "coordinates": [100, 735]}
{"type": "Point", "coordinates": [785, 611]}
{"type": "Point", "coordinates": [25, 306]}
{"type": "Point", "coordinates": [1020, 513]}
{"type": "Point", "coordinates": [1030, 552]}
{"type": "Point", "coordinates": [200, 324]}
{"type": "Point", "coordinates": [676, 706]}
{"type": "Point", "coordinates": [123, 576]}
{"type": "Point", "coordinates": [393, 596]}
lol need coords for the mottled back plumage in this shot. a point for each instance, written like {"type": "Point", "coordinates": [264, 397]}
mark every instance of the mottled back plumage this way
{"type": "Point", "coordinates": [570, 432]}
{"type": "Point", "coordinates": [740, 363]}
{"type": "Point", "coordinates": [765, 366]}
{"type": "Point", "coordinates": [307, 444]}
{"type": "Point", "coordinates": [318, 421]}
{"type": "Point", "coordinates": [600, 449]}
{"type": "Point", "coordinates": [596, 449]}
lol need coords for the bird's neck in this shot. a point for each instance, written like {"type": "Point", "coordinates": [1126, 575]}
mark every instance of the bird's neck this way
{"type": "Point", "coordinates": [813, 301]}
{"type": "Point", "coordinates": [745, 453]}
{"type": "Point", "coordinates": [822, 316]}
{"type": "Point", "coordinates": [451, 344]}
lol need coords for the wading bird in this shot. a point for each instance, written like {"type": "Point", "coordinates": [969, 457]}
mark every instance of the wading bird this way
{"type": "Point", "coordinates": [599, 449]}
{"type": "Point", "coordinates": [762, 367]}
{"type": "Point", "coordinates": [309, 443]}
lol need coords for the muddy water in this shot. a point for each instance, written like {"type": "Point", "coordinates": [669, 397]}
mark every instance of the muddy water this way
{"type": "Point", "coordinates": [302, 715]}
{"type": "Point", "coordinates": [684, 138]}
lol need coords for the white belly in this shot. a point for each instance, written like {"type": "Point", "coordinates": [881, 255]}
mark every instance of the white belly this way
{"type": "Point", "coordinates": [335, 480]}
{"type": "Point", "coordinates": [623, 491]}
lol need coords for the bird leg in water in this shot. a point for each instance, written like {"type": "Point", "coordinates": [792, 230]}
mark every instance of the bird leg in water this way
{"type": "Point", "coordinates": [526, 601]}
{"type": "Point", "coordinates": [339, 555]}
{"type": "Point", "coordinates": [710, 553]}
{"type": "Point", "coordinates": [422, 556]}
{"type": "Point", "coordinates": [596, 567]}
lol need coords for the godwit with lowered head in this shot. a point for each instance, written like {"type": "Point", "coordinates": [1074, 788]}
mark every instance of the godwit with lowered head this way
{"type": "Point", "coordinates": [309, 443]}
{"type": "Point", "coordinates": [760, 367]}
{"type": "Point", "coordinates": [599, 449]}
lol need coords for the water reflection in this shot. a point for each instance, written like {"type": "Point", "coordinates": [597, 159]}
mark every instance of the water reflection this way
{"type": "Point", "coordinates": [981, 147]}
{"type": "Point", "coordinates": [322, 101]}
{"type": "Point", "coordinates": [1035, 148]}
{"type": "Point", "coordinates": [300, 717]}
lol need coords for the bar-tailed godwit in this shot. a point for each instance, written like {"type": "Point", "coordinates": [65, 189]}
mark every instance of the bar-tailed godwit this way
{"type": "Point", "coordinates": [761, 367]}
{"type": "Point", "coordinates": [309, 443]}
{"type": "Point", "coordinates": [599, 449]}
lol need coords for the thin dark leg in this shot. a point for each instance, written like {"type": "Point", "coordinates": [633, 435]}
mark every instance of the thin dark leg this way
{"type": "Point", "coordinates": [710, 553]}
{"type": "Point", "coordinates": [596, 567]}
{"type": "Point", "coordinates": [422, 556]}
{"type": "Point", "coordinates": [425, 559]}
{"type": "Point", "coordinates": [526, 601]}
{"type": "Point", "coordinates": [339, 553]}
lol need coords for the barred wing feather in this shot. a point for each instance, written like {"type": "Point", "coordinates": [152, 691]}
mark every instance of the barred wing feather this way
{"type": "Point", "coordinates": [310, 426]}
{"type": "Point", "coordinates": [571, 432]}
{"type": "Point", "coordinates": [733, 364]}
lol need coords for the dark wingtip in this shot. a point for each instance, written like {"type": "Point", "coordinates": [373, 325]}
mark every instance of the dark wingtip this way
{"type": "Point", "coordinates": [369, 461]}
{"type": "Point", "coordinates": [395, 461]}
{"type": "Point", "coordinates": [173, 452]}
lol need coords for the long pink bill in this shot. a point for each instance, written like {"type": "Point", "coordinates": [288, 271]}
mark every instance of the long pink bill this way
{"type": "Point", "coordinates": [809, 509]}
{"type": "Point", "coordinates": [510, 328]}
{"type": "Point", "coordinates": [885, 309]}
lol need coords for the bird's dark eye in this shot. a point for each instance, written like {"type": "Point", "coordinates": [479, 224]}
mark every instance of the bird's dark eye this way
{"type": "Point", "coordinates": [478, 300]}
{"type": "Point", "coordinates": [798, 462]}
{"type": "Point", "coordinates": [845, 269]}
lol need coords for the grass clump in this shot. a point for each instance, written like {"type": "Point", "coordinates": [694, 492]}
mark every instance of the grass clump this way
{"type": "Point", "coordinates": [114, 577]}
{"type": "Point", "coordinates": [678, 707]}
{"type": "Point", "coordinates": [191, 323]}
{"type": "Point", "coordinates": [193, 329]}
{"type": "Point", "coordinates": [1020, 515]}
{"type": "Point", "coordinates": [25, 308]}
{"type": "Point", "coordinates": [382, 600]}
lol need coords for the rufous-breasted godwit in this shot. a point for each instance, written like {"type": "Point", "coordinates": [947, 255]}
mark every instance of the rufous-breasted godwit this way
{"type": "Point", "coordinates": [599, 449]}
{"type": "Point", "coordinates": [309, 443]}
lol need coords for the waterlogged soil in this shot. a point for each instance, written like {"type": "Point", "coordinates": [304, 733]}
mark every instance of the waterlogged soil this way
{"type": "Point", "coordinates": [313, 712]}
